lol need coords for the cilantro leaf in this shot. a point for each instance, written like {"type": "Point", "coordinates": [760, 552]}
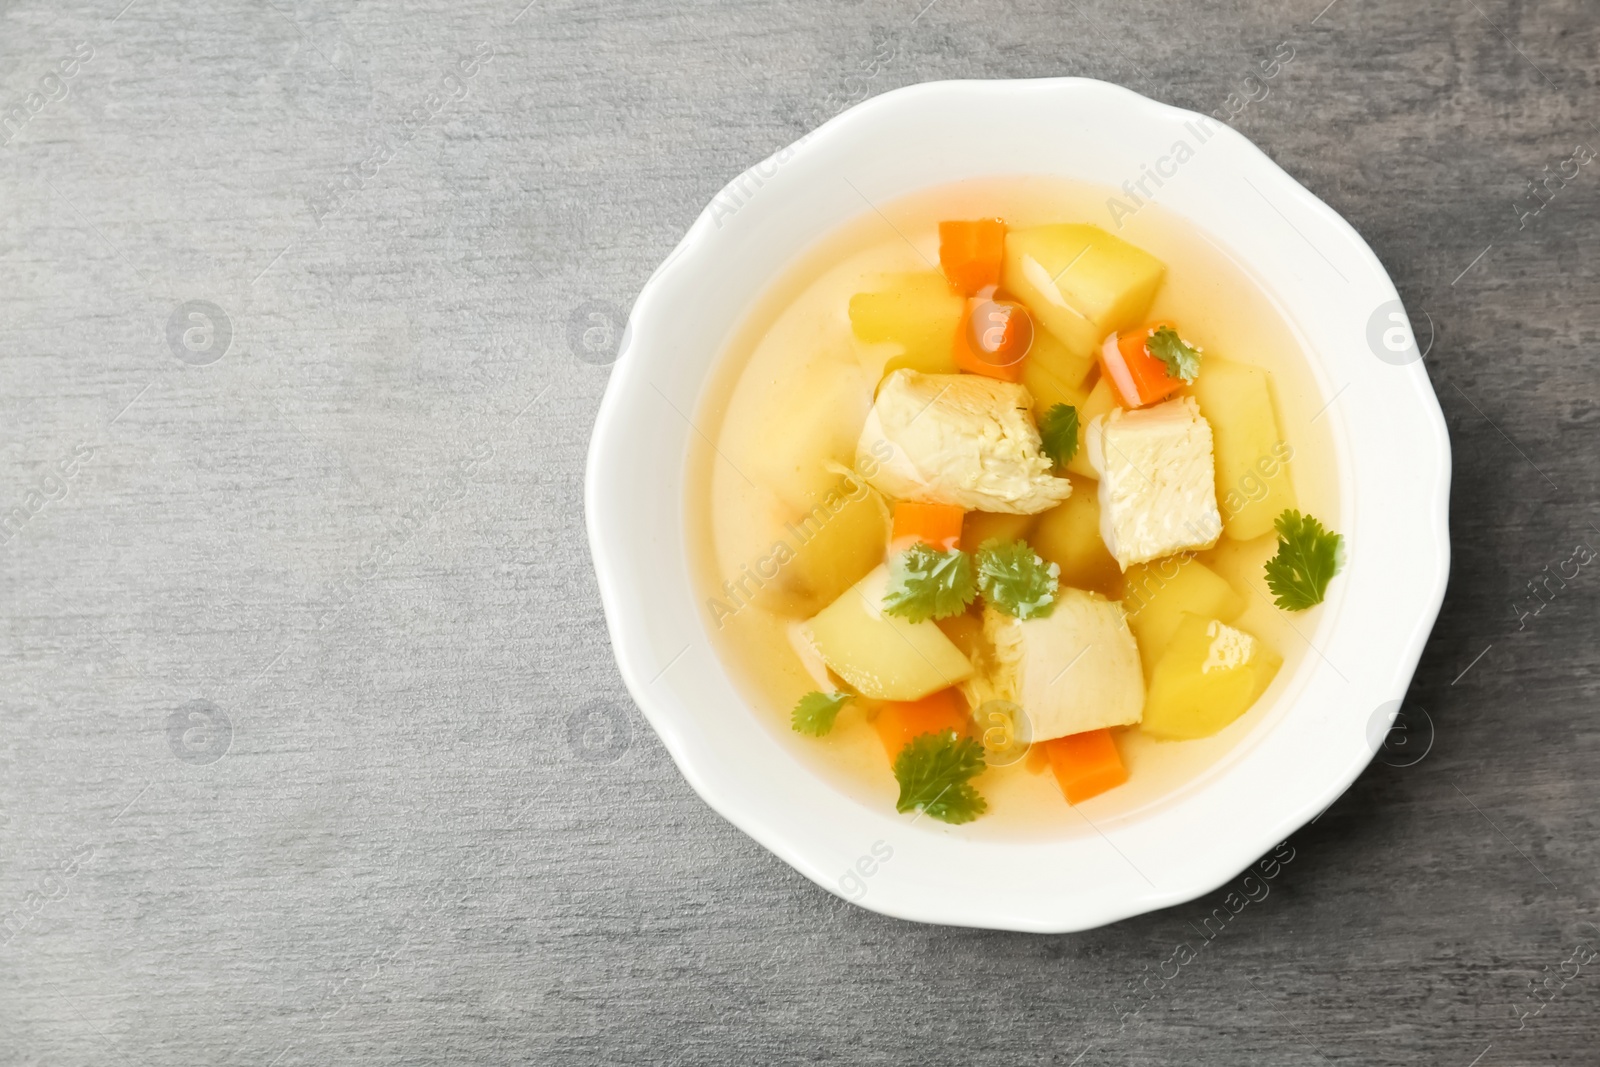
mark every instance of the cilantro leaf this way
{"type": "Point", "coordinates": [815, 712]}
{"type": "Point", "coordinates": [934, 771]}
{"type": "Point", "coordinates": [925, 583]}
{"type": "Point", "coordinates": [1308, 558]}
{"type": "Point", "coordinates": [1181, 358]}
{"type": "Point", "coordinates": [1015, 580]}
{"type": "Point", "coordinates": [1059, 432]}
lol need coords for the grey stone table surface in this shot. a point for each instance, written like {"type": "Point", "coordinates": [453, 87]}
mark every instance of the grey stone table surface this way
{"type": "Point", "coordinates": [312, 749]}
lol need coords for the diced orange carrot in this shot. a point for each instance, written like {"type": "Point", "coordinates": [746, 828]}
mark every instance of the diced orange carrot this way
{"type": "Point", "coordinates": [936, 524]}
{"type": "Point", "coordinates": [1139, 377]}
{"type": "Point", "coordinates": [993, 339]}
{"type": "Point", "coordinates": [899, 721]}
{"type": "Point", "coordinates": [1086, 764]}
{"type": "Point", "coordinates": [971, 253]}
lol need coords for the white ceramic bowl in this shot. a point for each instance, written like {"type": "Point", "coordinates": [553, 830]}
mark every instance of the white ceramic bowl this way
{"type": "Point", "coordinates": [1393, 455]}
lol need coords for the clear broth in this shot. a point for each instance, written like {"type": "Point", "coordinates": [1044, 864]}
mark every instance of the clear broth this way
{"type": "Point", "coordinates": [795, 352]}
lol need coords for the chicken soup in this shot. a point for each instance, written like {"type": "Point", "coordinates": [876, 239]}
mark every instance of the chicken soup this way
{"type": "Point", "coordinates": [1003, 509]}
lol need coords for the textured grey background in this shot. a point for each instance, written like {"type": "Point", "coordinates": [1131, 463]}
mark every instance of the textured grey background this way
{"type": "Point", "coordinates": [433, 828]}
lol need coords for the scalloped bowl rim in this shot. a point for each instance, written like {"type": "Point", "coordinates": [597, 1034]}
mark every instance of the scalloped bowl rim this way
{"type": "Point", "coordinates": [1376, 624]}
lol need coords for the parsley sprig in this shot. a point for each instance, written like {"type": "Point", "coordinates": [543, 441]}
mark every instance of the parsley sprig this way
{"type": "Point", "coordinates": [1058, 431]}
{"type": "Point", "coordinates": [1015, 580]}
{"type": "Point", "coordinates": [935, 771]}
{"type": "Point", "coordinates": [1308, 557]}
{"type": "Point", "coordinates": [925, 583]}
{"type": "Point", "coordinates": [1181, 358]}
{"type": "Point", "coordinates": [814, 714]}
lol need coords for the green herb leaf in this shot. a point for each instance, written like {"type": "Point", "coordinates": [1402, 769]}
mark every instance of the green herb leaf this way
{"type": "Point", "coordinates": [1015, 580]}
{"type": "Point", "coordinates": [1308, 558]}
{"type": "Point", "coordinates": [934, 771]}
{"type": "Point", "coordinates": [925, 583]}
{"type": "Point", "coordinates": [816, 711]}
{"type": "Point", "coordinates": [1058, 430]}
{"type": "Point", "coordinates": [1181, 358]}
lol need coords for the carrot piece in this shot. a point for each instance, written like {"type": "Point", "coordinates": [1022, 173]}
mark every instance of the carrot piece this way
{"type": "Point", "coordinates": [1139, 377]}
{"type": "Point", "coordinates": [993, 339]}
{"type": "Point", "coordinates": [936, 524]}
{"type": "Point", "coordinates": [899, 721]}
{"type": "Point", "coordinates": [971, 253]}
{"type": "Point", "coordinates": [1086, 764]}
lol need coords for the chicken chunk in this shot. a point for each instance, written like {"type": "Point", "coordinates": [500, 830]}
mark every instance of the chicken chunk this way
{"type": "Point", "coordinates": [959, 439]}
{"type": "Point", "coordinates": [1158, 493]}
{"type": "Point", "coordinates": [1073, 670]}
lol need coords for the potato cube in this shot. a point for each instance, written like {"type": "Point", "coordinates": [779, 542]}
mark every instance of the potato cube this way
{"type": "Point", "coordinates": [1209, 675]}
{"type": "Point", "coordinates": [828, 549]}
{"type": "Point", "coordinates": [1068, 535]}
{"type": "Point", "coordinates": [1102, 400]}
{"type": "Point", "coordinates": [883, 656]}
{"type": "Point", "coordinates": [1048, 391]}
{"type": "Point", "coordinates": [1080, 282]}
{"type": "Point", "coordinates": [981, 526]}
{"type": "Point", "coordinates": [965, 631]}
{"type": "Point", "coordinates": [1253, 485]}
{"type": "Point", "coordinates": [1073, 670]}
{"type": "Point", "coordinates": [919, 313]}
{"type": "Point", "coordinates": [822, 409]}
{"type": "Point", "coordinates": [1053, 374]}
{"type": "Point", "coordinates": [1156, 596]}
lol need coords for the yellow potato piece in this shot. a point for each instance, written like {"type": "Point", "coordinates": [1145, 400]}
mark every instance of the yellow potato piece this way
{"type": "Point", "coordinates": [822, 410]}
{"type": "Point", "coordinates": [829, 548]}
{"type": "Point", "coordinates": [1068, 535]}
{"type": "Point", "coordinates": [1253, 483]}
{"type": "Point", "coordinates": [1080, 282]}
{"type": "Point", "coordinates": [1053, 374]}
{"type": "Point", "coordinates": [1156, 595]}
{"type": "Point", "coordinates": [981, 526]}
{"type": "Point", "coordinates": [919, 313]}
{"type": "Point", "coordinates": [1209, 675]}
{"type": "Point", "coordinates": [1102, 398]}
{"type": "Point", "coordinates": [965, 631]}
{"type": "Point", "coordinates": [883, 656]}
